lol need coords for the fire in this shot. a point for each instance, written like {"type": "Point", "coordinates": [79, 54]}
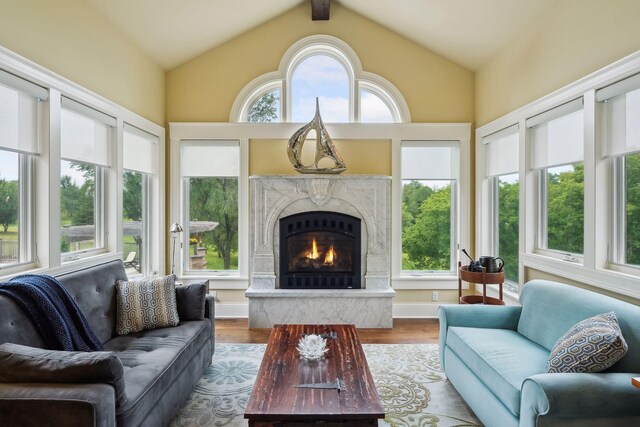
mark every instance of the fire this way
{"type": "Point", "coordinates": [314, 251]}
{"type": "Point", "coordinates": [330, 256]}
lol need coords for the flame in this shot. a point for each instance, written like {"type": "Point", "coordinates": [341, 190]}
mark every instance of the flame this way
{"type": "Point", "coordinates": [314, 251]}
{"type": "Point", "coordinates": [330, 256]}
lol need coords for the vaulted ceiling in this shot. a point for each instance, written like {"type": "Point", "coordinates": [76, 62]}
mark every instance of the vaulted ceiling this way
{"type": "Point", "coordinates": [468, 32]}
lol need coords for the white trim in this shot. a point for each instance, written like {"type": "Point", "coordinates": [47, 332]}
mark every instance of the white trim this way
{"type": "Point", "coordinates": [426, 310]}
{"type": "Point", "coordinates": [232, 310]}
{"type": "Point", "coordinates": [337, 49]}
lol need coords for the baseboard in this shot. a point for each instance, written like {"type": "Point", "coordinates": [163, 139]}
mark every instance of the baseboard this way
{"type": "Point", "coordinates": [238, 310]}
{"type": "Point", "coordinates": [425, 310]}
{"type": "Point", "coordinates": [400, 310]}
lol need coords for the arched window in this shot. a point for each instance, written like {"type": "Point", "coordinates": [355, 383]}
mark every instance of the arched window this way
{"type": "Point", "coordinates": [326, 68]}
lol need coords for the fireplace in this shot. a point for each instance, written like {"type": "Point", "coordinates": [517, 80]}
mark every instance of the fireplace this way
{"type": "Point", "coordinates": [320, 250]}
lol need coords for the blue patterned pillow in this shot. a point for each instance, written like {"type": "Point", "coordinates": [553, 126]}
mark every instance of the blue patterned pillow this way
{"type": "Point", "coordinates": [591, 345]}
{"type": "Point", "coordinates": [145, 304]}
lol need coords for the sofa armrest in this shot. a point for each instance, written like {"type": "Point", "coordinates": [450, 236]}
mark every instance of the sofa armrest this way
{"type": "Point", "coordinates": [475, 316]}
{"type": "Point", "coordinates": [579, 396]}
{"type": "Point", "coordinates": [69, 405]}
{"type": "Point", "coordinates": [210, 313]}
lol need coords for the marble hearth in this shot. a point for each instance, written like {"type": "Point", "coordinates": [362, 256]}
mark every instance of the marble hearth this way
{"type": "Point", "coordinates": [366, 197]}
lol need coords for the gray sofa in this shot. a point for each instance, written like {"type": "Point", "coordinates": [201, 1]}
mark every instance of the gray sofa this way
{"type": "Point", "coordinates": [160, 367]}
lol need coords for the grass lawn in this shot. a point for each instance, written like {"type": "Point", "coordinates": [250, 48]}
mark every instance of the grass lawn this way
{"type": "Point", "coordinates": [216, 263]}
{"type": "Point", "coordinates": [11, 234]}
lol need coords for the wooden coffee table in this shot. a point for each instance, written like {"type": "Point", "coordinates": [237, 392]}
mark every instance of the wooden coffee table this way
{"type": "Point", "coordinates": [275, 399]}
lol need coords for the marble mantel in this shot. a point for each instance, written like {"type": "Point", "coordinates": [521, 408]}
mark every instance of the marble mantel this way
{"type": "Point", "coordinates": [363, 196]}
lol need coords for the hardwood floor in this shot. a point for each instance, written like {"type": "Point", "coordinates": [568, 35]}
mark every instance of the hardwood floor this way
{"type": "Point", "coordinates": [405, 331]}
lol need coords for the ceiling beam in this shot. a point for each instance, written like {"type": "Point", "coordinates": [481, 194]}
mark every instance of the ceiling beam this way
{"type": "Point", "coordinates": [320, 10]}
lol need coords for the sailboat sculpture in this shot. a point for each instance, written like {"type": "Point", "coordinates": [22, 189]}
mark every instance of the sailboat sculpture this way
{"type": "Point", "coordinates": [324, 148]}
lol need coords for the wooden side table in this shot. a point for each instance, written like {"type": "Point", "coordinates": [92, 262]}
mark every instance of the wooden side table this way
{"type": "Point", "coordinates": [479, 278]}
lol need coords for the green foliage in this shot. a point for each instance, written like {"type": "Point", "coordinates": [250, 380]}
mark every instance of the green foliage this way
{"type": "Point", "coordinates": [9, 203]}
{"type": "Point", "coordinates": [132, 196]}
{"type": "Point", "coordinates": [508, 199]}
{"type": "Point", "coordinates": [216, 199]}
{"type": "Point", "coordinates": [565, 210]}
{"type": "Point", "coordinates": [78, 202]}
{"type": "Point", "coordinates": [265, 109]}
{"type": "Point", "coordinates": [632, 165]}
{"type": "Point", "coordinates": [426, 236]}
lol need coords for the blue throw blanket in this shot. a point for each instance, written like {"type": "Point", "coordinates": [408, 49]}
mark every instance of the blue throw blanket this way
{"type": "Point", "coordinates": [53, 312]}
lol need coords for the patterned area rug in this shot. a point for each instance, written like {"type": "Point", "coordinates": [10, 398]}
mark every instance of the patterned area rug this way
{"type": "Point", "coordinates": [413, 389]}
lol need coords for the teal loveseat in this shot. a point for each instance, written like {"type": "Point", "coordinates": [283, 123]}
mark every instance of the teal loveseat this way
{"type": "Point", "coordinates": [495, 356]}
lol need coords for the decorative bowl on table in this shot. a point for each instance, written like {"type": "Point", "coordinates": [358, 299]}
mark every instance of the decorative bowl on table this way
{"type": "Point", "coordinates": [312, 347]}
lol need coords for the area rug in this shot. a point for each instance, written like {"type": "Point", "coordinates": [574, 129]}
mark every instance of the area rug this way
{"type": "Point", "coordinates": [413, 389]}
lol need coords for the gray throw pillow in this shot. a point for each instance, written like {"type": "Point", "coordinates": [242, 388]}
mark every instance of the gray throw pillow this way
{"type": "Point", "coordinates": [592, 345]}
{"type": "Point", "coordinates": [191, 300]}
{"type": "Point", "coordinates": [145, 304]}
{"type": "Point", "coordinates": [23, 364]}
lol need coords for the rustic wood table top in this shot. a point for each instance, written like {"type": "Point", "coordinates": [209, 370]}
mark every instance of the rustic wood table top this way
{"type": "Point", "coordinates": [275, 396]}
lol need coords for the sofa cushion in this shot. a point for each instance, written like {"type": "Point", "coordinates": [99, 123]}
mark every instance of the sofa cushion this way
{"type": "Point", "coordinates": [94, 290]}
{"type": "Point", "coordinates": [152, 361]}
{"type": "Point", "coordinates": [502, 359]}
{"type": "Point", "coordinates": [23, 364]}
{"type": "Point", "coordinates": [146, 304]}
{"type": "Point", "coordinates": [191, 300]}
{"type": "Point", "coordinates": [592, 345]}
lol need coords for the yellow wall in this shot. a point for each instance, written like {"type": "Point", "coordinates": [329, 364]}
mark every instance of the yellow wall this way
{"type": "Point", "coordinates": [69, 38]}
{"type": "Point", "coordinates": [570, 41]}
{"type": "Point", "coordinates": [204, 89]}
{"type": "Point", "coordinates": [361, 157]}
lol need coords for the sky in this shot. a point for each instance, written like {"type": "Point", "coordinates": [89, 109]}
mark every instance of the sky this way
{"type": "Point", "coordinates": [324, 77]}
{"type": "Point", "coordinates": [8, 165]}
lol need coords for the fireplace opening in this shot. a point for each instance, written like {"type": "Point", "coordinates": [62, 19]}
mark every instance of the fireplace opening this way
{"type": "Point", "coordinates": [320, 250]}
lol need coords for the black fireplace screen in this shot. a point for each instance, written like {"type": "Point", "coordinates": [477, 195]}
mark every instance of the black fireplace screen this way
{"type": "Point", "coordinates": [320, 250]}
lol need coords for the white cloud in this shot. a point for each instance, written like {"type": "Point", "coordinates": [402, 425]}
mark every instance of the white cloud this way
{"type": "Point", "coordinates": [373, 109]}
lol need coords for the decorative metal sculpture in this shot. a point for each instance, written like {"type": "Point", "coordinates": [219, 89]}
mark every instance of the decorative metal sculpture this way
{"type": "Point", "coordinates": [324, 148]}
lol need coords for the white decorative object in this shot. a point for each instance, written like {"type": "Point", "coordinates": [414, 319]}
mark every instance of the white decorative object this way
{"type": "Point", "coordinates": [312, 347]}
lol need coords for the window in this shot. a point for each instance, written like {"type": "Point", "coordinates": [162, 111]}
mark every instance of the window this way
{"type": "Point", "coordinates": [85, 153]}
{"type": "Point", "coordinates": [210, 172]}
{"type": "Point", "coordinates": [502, 164]}
{"type": "Point", "coordinates": [326, 68]}
{"type": "Point", "coordinates": [373, 109]}
{"type": "Point", "coordinates": [140, 164]}
{"type": "Point", "coordinates": [429, 193]}
{"type": "Point", "coordinates": [266, 108]}
{"type": "Point", "coordinates": [622, 147]}
{"type": "Point", "coordinates": [557, 140]}
{"type": "Point", "coordinates": [18, 145]}
{"type": "Point", "coordinates": [322, 77]}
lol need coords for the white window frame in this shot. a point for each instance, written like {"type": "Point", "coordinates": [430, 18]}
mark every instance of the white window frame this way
{"type": "Point", "coordinates": [46, 230]}
{"type": "Point", "coordinates": [595, 268]}
{"type": "Point", "coordinates": [454, 242]}
{"type": "Point", "coordinates": [221, 279]}
{"type": "Point", "coordinates": [341, 52]}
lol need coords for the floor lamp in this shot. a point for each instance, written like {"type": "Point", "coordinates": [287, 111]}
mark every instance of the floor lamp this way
{"type": "Point", "coordinates": [174, 230]}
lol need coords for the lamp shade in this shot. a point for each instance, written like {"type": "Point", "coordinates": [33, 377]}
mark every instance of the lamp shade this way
{"type": "Point", "coordinates": [175, 228]}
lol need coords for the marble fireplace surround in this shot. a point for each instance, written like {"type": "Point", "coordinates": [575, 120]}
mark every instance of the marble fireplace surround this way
{"type": "Point", "coordinates": [363, 196]}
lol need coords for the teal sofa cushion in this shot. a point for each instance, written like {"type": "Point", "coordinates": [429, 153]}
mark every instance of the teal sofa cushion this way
{"type": "Point", "coordinates": [502, 359]}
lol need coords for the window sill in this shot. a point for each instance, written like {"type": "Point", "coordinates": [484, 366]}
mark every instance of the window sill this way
{"type": "Point", "coordinates": [219, 281]}
{"type": "Point", "coordinates": [620, 283]}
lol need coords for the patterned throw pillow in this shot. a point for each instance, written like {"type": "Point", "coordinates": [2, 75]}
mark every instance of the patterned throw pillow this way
{"type": "Point", "coordinates": [145, 304]}
{"type": "Point", "coordinates": [591, 345]}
